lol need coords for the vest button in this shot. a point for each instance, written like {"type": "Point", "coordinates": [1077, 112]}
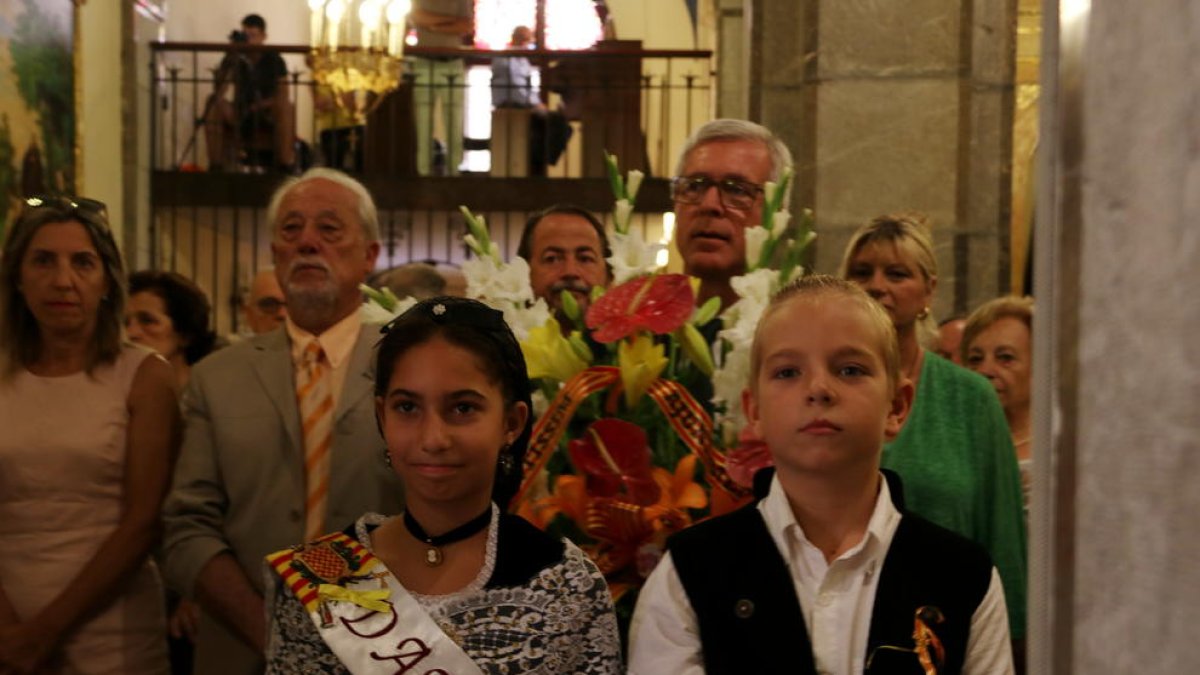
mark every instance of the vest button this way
{"type": "Point", "coordinates": [743, 609]}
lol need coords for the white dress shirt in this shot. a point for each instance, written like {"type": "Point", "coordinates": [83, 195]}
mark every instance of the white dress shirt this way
{"type": "Point", "coordinates": [836, 599]}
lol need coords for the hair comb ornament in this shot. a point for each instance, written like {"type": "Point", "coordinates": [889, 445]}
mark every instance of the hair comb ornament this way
{"type": "Point", "coordinates": [446, 310]}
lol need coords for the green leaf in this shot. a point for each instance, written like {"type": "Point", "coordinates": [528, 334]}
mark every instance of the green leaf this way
{"type": "Point", "coordinates": [707, 311]}
{"type": "Point", "coordinates": [614, 176]}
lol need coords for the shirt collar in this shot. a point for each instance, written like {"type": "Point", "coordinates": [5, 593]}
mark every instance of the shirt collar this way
{"type": "Point", "coordinates": [781, 522]}
{"type": "Point", "coordinates": [337, 341]}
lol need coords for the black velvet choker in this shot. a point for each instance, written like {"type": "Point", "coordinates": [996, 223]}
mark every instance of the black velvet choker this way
{"type": "Point", "coordinates": [433, 554]}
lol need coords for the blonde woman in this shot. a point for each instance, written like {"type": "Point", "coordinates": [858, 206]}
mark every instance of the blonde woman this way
{"type": "Point", "coordinates": [953, 455]}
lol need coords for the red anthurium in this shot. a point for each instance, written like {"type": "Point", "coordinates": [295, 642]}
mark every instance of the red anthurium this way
{"type": "Point", "coordinates": [659, 303]}
{"type": "Point", "coordinates": [615, 458]}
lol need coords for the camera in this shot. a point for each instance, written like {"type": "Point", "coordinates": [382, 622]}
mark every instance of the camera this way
{"type": "Point", "coordinates": [238, 37]}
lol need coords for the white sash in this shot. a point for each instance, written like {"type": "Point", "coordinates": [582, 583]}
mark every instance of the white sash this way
{"type": "Point", "coordinates": [402, 639]}
{"type": "Point", "coordinates": [370, 622]}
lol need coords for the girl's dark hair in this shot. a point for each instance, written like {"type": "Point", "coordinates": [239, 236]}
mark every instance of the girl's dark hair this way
{"type": "Point", "coordinates": [187, 306]}
{"type": "Point", "coordinates": [481, 330]}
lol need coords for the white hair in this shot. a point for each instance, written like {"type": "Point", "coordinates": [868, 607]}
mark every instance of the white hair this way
{"type": "Point", "coordinates": [740, 130]}
{"type": "Point", "coordinates": [367, 215]}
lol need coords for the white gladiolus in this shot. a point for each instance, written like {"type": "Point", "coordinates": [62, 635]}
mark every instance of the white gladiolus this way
{"type": "Point", "coordinates": [779, 222]}
{"type": "Point", "coordinates": [756, 286]}
{"type": "Point", "coordinates": [522, 319]}
{"type": "Point", "coordinates": [496, 282]}
{"type": "Point", "coordinates": [769, 189]}
{"type": "Point", "coordinates": [540, 403]}
{"type": "Point", "coordinates": [472, 243]}
{"type": "Point", "coordinates": [632, 183]}
{"type": "Point", "coordinates": [622, 210]}
{"type": "Point", "coordinates": [728, 383]}
{"type": "Point", "coordinates": [756, 237]}
{"type": "Point", "coordinates": [631, 256]}
{"type": "Point", "coordinates": [375, 315]}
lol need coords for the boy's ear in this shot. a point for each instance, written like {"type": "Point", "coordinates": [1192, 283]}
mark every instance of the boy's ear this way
{"type": "Point", "coordinates": [750, 408]}
{"type": "Point", "coordinates": [901, 406]}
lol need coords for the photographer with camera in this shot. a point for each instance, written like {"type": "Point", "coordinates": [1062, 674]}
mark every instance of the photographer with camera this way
{"type": "Point", "coordinates": [260, 117]}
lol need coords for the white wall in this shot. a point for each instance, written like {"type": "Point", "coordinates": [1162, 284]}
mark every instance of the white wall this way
{"type": "Point", "coordinates": [99, 124]}
{"type": "Point", "coordinates": [659, 24]}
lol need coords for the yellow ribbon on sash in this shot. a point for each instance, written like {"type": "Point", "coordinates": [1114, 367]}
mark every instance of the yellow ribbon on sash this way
{"type": "Point", "coordinates": [375, 600]}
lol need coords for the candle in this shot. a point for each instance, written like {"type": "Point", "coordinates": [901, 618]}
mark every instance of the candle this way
{"type": "Point", "coordinates": [314, 35]}
{"type": "Point", "coordinates": [397, 10]}
{"type": "Point", "coordinates": [368, 18]}
{"type": "Point", "coordinates": [333, 13]}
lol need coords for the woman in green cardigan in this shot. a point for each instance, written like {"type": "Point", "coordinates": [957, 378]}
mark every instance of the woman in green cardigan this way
{"type": "Point", "coordinates": [954, 454]}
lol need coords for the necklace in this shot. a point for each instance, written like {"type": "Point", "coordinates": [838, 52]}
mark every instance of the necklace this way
{"type": "Point", "coordinates": [433, 554]}
{"type": "Point", "coordinates": [1021, 442]}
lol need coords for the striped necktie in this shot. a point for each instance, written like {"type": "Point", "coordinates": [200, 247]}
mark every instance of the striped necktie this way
{"type": "Point", "coordinates": [315, 397]}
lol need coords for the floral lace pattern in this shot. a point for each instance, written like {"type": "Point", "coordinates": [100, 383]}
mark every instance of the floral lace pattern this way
{"type": "Point", "coordinates": [561, 621]}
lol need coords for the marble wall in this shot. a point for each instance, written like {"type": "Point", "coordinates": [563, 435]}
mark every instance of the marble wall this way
{"type": "Point", "coordinates": [891, 107]}
{"type": "Point", "coordinates": [1137, 529]}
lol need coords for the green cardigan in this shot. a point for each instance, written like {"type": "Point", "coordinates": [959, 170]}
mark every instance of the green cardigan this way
{"type": "Point", "coordinates": [956, 460]}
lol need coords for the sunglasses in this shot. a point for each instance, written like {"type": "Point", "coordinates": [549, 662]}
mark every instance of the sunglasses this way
{"type": "Point", "coordinates": [68, 203]}
{"type": "Point", "coordinates": [734, 194]}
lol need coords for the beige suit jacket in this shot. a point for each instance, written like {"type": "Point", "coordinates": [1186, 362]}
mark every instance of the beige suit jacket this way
{"type": "Point", "coordinates": [239, 484]}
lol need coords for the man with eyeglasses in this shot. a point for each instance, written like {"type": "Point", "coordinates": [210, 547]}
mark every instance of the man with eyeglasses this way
{"type": "Point", "coordinates": [264, 307]}
{"type": "Point", "coordinates": [718, 193]}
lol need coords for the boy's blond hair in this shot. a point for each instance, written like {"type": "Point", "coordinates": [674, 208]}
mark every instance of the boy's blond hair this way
{"type": "Point", "coordinates": [821, 286]}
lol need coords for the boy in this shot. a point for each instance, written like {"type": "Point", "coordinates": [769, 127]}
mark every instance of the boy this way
{"type": "Point", "coordinates": [826, 573]}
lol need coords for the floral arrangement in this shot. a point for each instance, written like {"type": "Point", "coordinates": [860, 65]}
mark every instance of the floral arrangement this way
{"type": "Point", "coordinates": [623, 454]}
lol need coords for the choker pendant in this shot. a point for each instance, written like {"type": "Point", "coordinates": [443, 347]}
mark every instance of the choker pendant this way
{"type": "Point", "coordinates": [433, 554]}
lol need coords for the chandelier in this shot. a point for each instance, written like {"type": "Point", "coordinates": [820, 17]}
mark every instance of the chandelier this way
{"type": "Point", "coordinates": [357, 47]}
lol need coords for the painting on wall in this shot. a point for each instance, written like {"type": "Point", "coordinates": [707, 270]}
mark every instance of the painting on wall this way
{"type": "Point", "coordinates": [37, 100]}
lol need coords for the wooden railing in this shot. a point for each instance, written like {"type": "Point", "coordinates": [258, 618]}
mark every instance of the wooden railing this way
{"type": "Point", "coordinates": [210, 225]}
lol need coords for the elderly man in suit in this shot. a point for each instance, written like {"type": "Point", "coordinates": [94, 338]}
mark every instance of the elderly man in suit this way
{"type": "Point", "coordinates": [281, 443]}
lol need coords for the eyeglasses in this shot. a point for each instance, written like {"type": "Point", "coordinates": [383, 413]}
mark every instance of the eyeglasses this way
{"type": "Point", "coordinates": [734, 194]}
{"type": "Point", "coordinates": [269, 305]}
{"type": "Point", "coordinates": [67, 203]}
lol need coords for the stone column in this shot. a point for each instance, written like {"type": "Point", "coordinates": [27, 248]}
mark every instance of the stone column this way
{"type": "Point", "coordinates": [1116, 526]}
{"type": "Point", "coordinates": [891, 106]}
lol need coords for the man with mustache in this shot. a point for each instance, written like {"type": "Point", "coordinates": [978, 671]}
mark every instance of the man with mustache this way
{"type": "Point", "coordinates": [280, 442]}
{"type": "Point", "coordinates": [718, 193]}
{"type": "Point", "coordinates": [567, 250]}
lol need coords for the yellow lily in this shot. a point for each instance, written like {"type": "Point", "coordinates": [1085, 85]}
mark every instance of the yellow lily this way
{"type": "Point", "coordinates": [641, 361]}
{"type": "Point", "coordinates": [548, 354]}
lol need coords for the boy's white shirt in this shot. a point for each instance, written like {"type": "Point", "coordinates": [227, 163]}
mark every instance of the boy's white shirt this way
{"type": "Point", "coordinates": [836, 599]}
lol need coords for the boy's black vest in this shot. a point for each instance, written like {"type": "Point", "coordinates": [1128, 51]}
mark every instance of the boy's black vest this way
{"type": "Point", "coordinates": [750, 619]}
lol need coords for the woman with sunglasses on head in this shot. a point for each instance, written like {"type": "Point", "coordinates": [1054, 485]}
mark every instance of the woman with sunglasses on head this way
{"type": "Point", "coordinates": [954, 454]}
{"type": "Point", "coordinates": [91, 427]}
{"type": "Point", "coordinates": [454, 583]}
